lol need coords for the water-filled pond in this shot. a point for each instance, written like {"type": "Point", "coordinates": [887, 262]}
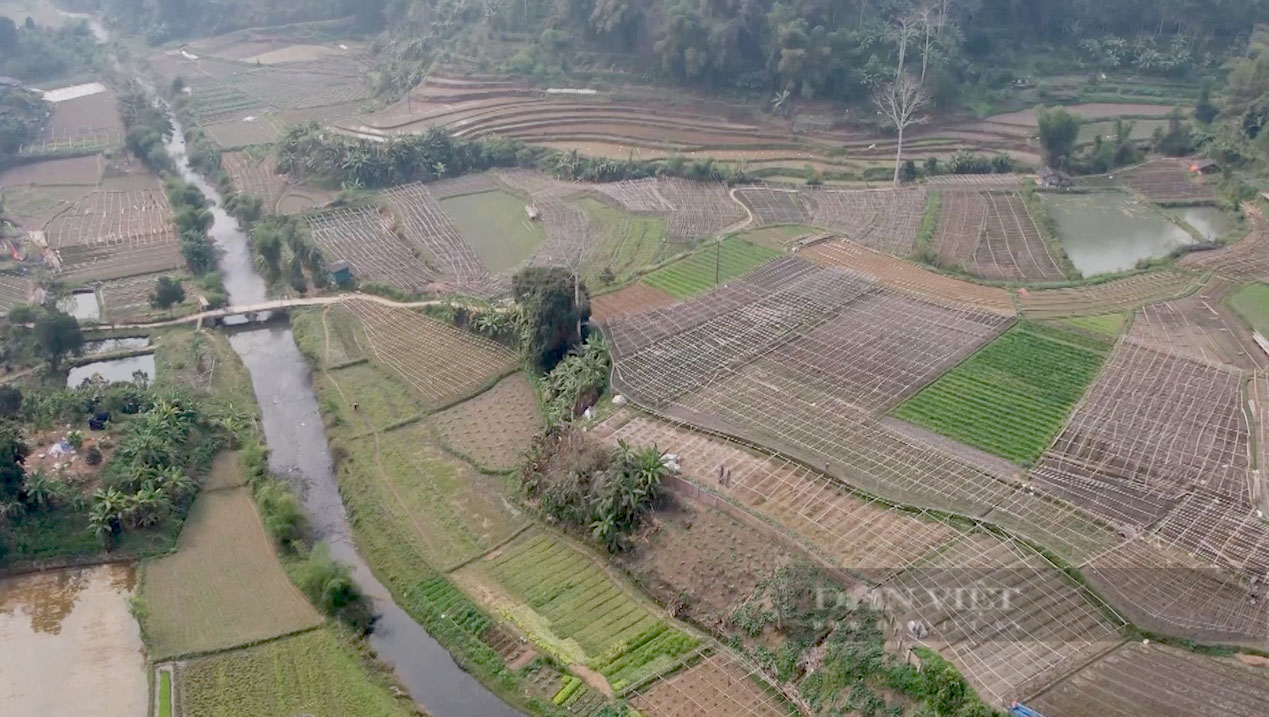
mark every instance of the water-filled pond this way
{"type": "Point", "coordinates": [71, 646]}
{"type": "Point", "coordinates": [83, 305]}
{"type": "Point", "coordinates": [109, 346]}
{"type": "Point", "coordinates": [121, 369]}
{"type": "Point", "coordinates": [1209, 221]}
{"type": "Point", "coordinates": [1106, 232]}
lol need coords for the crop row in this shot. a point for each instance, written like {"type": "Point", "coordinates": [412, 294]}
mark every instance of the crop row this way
{"type": "Point", "coordinates": [696, 274]}
{"type": "Point", "coordinates": [443, 596]}
{"type": "Point", "coordinates": [1011, 397]}
{"type": "Point", "coordinates": [622, 639]}
{"type": "Point", "coordinates": [654, 650]}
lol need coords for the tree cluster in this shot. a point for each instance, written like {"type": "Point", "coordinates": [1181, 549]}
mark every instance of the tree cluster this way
{"type": "Point", "coordinates": [42, 333]}
{"type": "Point", "coordinates": [604, 493]}
{"type": "Point", "coordinates": [22, 115]}
{"type": "Point", "coordinates": [555, 306]}
{"type": "Point", "coordinates": [32, 52]}
{"type": "Point", "coordinates": [283, 244]}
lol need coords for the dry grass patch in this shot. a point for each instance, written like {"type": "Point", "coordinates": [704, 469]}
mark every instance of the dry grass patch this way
{"type": "Point", "coordinates": [224, 586]}
{"type": "Point", "coordinates": [439, 505]}
{"type": "Point", "coordinates": [495, 428]}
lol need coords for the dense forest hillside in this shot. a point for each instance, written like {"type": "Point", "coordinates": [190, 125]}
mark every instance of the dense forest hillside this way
{"type": "Point", "coordinates": [826, 48]}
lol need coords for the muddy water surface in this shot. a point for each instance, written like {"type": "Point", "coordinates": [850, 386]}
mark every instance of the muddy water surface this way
{"type": "Point", "coordinates": [69, 646]}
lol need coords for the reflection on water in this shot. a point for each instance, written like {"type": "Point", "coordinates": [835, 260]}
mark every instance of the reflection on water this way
{"type": "Point", "coordinates": [1107, 232]}
{"type": "Point", "coordinates": [108, 346]}
{"type": "Point", "coordinates": [70, 645]}
{"type": "Point", "coordinates": [121, 369]}
{"type": "Point", "coordinates": [1209, 221]}
{"type": "Point", "coordinates": [82, 305]}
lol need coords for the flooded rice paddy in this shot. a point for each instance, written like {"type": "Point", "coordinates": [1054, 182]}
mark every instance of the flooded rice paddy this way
{"type": "Point", "coordinates": [1107, 232]}
{"type": "Point", "coordinates": [71, 647]}
{"type": "Point", "coordinates": [1210, 222]}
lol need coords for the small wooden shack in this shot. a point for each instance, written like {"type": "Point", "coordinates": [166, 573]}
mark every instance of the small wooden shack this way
{"type": "Point", "coordinates": [1049, 178]}
{"type": "Point", "coordinates": [340, 273]}
{"type": "Point", "coordinates": [1205, 166]}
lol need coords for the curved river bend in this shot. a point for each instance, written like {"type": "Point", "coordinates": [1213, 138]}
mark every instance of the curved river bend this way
{"type": "Point", "coordinates": [296, 438]}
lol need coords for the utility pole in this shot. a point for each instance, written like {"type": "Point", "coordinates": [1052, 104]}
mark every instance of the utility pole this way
{"type": "Point", "coordinates": [718, 260]}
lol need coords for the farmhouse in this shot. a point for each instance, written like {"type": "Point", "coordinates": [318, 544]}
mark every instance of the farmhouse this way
{"type": "Point", "coordinates": [1205, 166]}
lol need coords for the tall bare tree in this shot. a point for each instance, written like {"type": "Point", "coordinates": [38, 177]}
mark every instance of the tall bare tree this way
{"type": "Point", "coordinates": [902, 101]}
{"type": "Point", "coordinates": [927, 18]}
{"type": "Point", "coordinates": [905, 29]}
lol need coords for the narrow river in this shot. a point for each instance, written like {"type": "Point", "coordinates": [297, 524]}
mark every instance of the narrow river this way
{"type": "Point", "coordinates": [296, 438]}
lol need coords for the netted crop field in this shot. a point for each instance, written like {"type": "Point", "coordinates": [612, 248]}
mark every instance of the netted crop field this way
{"type": "Point", "coordinates": [307, 674]}
{"type": "Point", "coordinates": [1138, 679]}
{"type": "Point", "coordinates": [315, 83]}
{"type": "Point", "coordinates": [883, 219]}
{"type": "Point", "coordinates": [84, 124]}
{"type": "Point", "coordinates": [15, 288]}
{"type": "Point", "coordinates": [715, 265]}
{"type": "Point", "coordinates": [1167, 589]}
{"type": "Point", "coordinates": [128, 296]}
{"type": "Point", "coordinates": [640, 196]}
{"type": "Point", "coordinates": [422, 222]}
{"type": "Point", "coordinates": [440, 363]}
{"type": "Point", "coordinates": [142, 217]}
{"type": "Point", "coordinates": [774, 206]}
{"type": "Point", "coordinates": [1012, 397]}
{"type": "Point", "coordinates": [1200, 328]}
{"type": "Point", "coordinates": [699, 210]}
{"type": "Point", "coordinates": [223, 586]}
{"type": "Point", "coordinates": [1186, 430]}
{"type": "Point", "coordinates": [908, 278]}
{"type": "Point", "coordinates": [255, 176]}
{"type": "Point", "coordinates": [586, 613]}
{"type": "Point", "coordinates": [631, 301]}
{"type": "Point", "coordinates": [1245, 259]}
{"type": "Point", "coordinates": [953, 182]}
{"type": "Point", "coordinates": [1116, 295]}
{"type": "Point", "coordinates": [1012, 247]}
{"type": "Point", "coordinates": [1006, 648]}
{"type": "Point", "coordinates": [109, 235]}
{"type": "Point", "coordinates": [495, 428]}
{"type": "Point", "coordinates": [212, 101]}
{"type": "Point", "coordinates": [238, 133]}
{"type": "Point", "coordinates": [962, 222]}
{"type": "Point", "coordinates": [1167, 180]}
{"type": "Point", "coordinates": [719, 685]}
{"type": "Point", "coordinates": [363, 237]}
{"type": "Point", "coordinates": [697, 362]}
{"type": "Point", "coordinates": [863, 536]}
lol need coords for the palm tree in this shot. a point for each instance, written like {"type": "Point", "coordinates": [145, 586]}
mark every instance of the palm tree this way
{"type": "Point", "coordinates": [173, 482]}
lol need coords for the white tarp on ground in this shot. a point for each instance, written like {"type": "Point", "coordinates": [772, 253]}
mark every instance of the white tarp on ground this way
{"type": "Point", "coordinates": [74, 92]}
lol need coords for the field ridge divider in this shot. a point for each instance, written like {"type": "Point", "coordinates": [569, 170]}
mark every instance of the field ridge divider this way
{"type": "Point", "coordinates": [499, 546]}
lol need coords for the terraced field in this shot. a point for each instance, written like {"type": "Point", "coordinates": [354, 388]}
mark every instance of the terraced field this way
{"type": "Point", "coordinates": [1011, 397]}
{"type": "Point", "coordinates": [719, 263]}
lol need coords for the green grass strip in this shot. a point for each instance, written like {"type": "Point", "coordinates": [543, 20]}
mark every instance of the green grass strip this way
{"type": "Point", "coordinates": [1012, 397]}
{"type": "Point", "coordinates": [723, 261]}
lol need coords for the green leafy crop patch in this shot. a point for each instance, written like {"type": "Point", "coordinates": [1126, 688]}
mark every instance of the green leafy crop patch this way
{"type": "Point", "coordinates": [1011, 397]}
